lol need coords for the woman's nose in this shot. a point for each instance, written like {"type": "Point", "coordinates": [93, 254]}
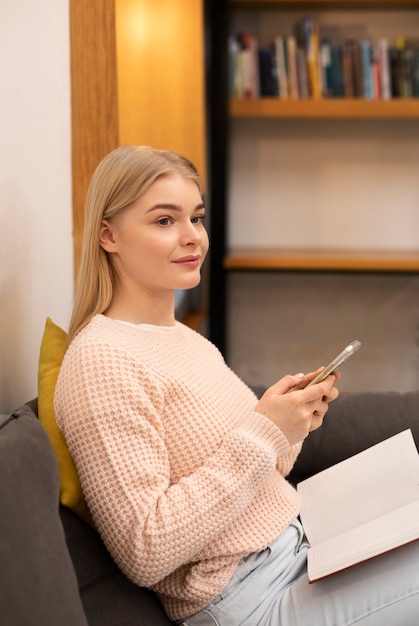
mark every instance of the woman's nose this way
{"type": "Point", "coordinates": [190, 234]}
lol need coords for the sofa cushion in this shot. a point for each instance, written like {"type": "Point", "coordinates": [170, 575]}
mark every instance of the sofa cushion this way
{"type": "Point", "coordinates": [37, 580]}
{"type": "Point", "coordinates": [109, 597]}
{"type": "Point", "coordinates": [356, 421]}
{"type": "Point", "coordinates": [50, 358]}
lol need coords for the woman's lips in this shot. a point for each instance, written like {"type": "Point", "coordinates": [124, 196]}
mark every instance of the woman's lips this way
{"type": "Point", "coordinates": [189, 261]}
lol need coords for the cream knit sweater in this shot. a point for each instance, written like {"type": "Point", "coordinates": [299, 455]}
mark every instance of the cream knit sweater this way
{"type": "Point", "coordinates": [182, 476]}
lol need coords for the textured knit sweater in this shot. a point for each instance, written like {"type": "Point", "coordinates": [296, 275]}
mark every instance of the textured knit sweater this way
{"type": "Point", "coordinates": [182, 476]}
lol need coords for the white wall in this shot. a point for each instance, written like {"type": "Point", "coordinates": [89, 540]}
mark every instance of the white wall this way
{"type": "Point", "coordinates": [324, 184]}
{"type": "Point", "coordinates": [36, 258]}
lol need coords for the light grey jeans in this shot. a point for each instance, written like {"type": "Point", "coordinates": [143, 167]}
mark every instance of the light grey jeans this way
{"type": "Point", "coordinates": [271, 588]}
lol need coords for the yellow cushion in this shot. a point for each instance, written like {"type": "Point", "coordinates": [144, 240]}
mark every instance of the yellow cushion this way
{"type": "Point", "coordinates": [50, 358]}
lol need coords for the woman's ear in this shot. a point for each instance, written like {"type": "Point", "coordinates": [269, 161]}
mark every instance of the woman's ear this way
{"type": "Point", "coordinates": [106, 238]}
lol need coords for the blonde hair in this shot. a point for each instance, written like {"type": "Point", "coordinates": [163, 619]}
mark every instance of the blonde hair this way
{"type": "Point", "coordinates": [120, 179]}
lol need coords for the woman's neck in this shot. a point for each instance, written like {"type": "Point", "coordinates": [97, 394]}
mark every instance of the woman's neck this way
{"type": "Point", "coordinates": [157, 313]}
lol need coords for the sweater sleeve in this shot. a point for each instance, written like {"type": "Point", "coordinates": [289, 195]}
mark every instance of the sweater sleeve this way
{"type": "Point", "coordinates": [286, 461]}
{"type": "Point", "coordinates": [150, 524]}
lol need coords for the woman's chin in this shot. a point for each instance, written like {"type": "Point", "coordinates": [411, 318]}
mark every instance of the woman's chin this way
{"type": "Point", "coordinates": [190, 283]}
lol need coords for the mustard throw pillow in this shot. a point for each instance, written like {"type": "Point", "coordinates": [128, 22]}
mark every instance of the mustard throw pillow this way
{"type": "Point", "coordinates": [50, 358]}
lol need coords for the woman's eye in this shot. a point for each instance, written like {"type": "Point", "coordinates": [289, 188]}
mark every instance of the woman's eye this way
{"type": "Point", "coordinates": [199, 219]}
{"type": "Point", "coordinates": [164, 221]}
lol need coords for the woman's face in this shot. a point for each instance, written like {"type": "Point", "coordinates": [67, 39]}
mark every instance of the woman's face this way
{"type": "Point", "coordinates": [159, 242]}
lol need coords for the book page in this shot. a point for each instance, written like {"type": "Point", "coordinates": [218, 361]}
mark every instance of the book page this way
{"type": "Point", "coordinates": [364, 542]}
{"type": "Point", "coordinates": [370, 484]}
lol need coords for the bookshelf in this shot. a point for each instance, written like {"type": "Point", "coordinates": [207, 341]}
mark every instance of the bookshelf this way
{"type": "Point", "coordinates": [331, 259]}
{"type": "Point", "coordinates": [230, 117]}
{"type": "Point", "coordinates": [333, 108]}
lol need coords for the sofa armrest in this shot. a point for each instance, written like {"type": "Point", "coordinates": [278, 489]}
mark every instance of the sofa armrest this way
{"type": "Point", "coordinates": [37, 579]}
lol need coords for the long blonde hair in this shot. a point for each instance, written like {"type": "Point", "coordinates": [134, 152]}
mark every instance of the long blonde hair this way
{"type": "Point", "coordinates": [122, 177]}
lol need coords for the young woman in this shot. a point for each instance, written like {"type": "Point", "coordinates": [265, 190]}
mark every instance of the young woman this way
{"type": "Point", "coordinates": [183, 468]}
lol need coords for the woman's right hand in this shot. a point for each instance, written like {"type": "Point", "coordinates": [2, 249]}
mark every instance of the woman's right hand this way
{"type": "Point", "coordinates": [297, 410]}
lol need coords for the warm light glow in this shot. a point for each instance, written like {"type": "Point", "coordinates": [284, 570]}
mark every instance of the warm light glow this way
{"type": "Point", "coordinates": [160, 69]}
{"type": "Point", "coordinates": [134, 23]}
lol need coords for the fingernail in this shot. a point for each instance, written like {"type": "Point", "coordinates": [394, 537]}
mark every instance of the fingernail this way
{"type": "Point", "coordinates": [299, 375]}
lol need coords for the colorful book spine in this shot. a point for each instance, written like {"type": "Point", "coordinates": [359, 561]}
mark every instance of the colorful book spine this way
{"type": "Point", "coordinates": [281, 67]}
{"type": "Point", "coordinates": [267, 82]}
{"type": "Point", "coordinates": [338, 87]}
{"type": "Point", "coordinates": [384, 67]}
{"type": "Point", "coordinates": [292, 67]}
{"type": "Point", "coordinates": [415, 89]}
{"type": "Point", "coordinates": [366, 51]}
{"type": "Point", "coordinates": [326, 67]}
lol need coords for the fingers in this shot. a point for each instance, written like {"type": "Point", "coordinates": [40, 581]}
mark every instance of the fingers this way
{"type": "Point", "coordinates": [295, 409]}
{"type": "Point", "coordinates": [289, 383]}
{"type": "Point", "coordinates": [318, 397]}
{"type": "Point", "coordinates": [326, 389]}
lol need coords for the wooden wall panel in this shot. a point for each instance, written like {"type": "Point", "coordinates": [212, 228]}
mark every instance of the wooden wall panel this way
{"type": "Point", "coordinates": [94, 97]}
{"type": "Point", "coordinates": [160, 61]}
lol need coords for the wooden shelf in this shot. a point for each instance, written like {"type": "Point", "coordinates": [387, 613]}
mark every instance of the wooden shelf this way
{"type": "Point", "coordinates": [339, 108]}
{"type": "Point", "coordinates": [306, 259]}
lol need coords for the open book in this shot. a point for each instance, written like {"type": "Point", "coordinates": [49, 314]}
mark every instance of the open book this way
{"type": "Point", "coordinates": [361, 507]}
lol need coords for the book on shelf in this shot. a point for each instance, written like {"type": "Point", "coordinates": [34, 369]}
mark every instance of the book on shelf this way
{"type": "Point", "coordinates": [267, 73]}
{"type": "Point", "coordinates": [281, 66]}
{"type": "Point", "coordinates": [291, 44]}
{"type": "Point", "coordinates": [384, 64]}
{"type": "Point", "coordinates": [416, 74]}
{"type": "Point", "coordinates": [337, 86]}
{"type": "Point", "coordinates": [302, 74]}
{"type": "Point", "coordinates": [243, 76]}
{"type": "Point", "coordinates": [249, 50]}
{"type": "Point", "coordinates": [356, 57]}
{"type": "Point", "coordinates": [306, 32]}
{"type": "Point", "coordinates": [362, 507]}
{"type": "Point", "coordinates": [348, 70]}
{"type": "Point", "coordinates": [410, 69]}
{"type": "Point", "coordinates": [304, 63]}
{"type": "Point", "coordinates": [326, 67]}
{"type": "Point", "coordinates": [402, 67]}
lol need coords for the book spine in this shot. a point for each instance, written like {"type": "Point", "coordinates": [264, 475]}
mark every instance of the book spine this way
{"type": "Point", "coordinates": [357, 69]}
{"type": "Point", "coordinates": [281, 67]}
{"type": "Point", "coordinates": [407, 72]}
{"type": "Point", "coordinates": [233, 67]}
{"type": "Point", "coordinates": [375, 75]}
{"type": "Point", "coordinates": [338, 87]}
{"type": "Point", "coordinates": [415, 87]}
{"type": "Point", "coordinates": [394, 72]}
{"type": "Point", "coordinates": [249, 51]}
{"type": "Point", "coordinates": [266, 73]}
{"type": "Point", "coordinates": [313, 60]}
{"type": "Point", "coordinates": [302, 74]}
{"type": "Point", "coordinates": [367, 68]}
{"type": "Point", "coordinates": [326, 67]}
{"type": "Point", "coordinates": [348, 70]}
{"type": "Point", "coordinates": [292, 66]}
{"type": "Point", "coordinates": [384, 67]}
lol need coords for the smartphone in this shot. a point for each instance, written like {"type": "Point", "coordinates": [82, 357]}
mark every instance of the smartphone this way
{"type": "Point", "coordinates": [337, 361]}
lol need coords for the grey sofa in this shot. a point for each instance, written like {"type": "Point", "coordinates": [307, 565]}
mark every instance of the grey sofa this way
{"type": "Point", "coordinates": [55, 570]}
